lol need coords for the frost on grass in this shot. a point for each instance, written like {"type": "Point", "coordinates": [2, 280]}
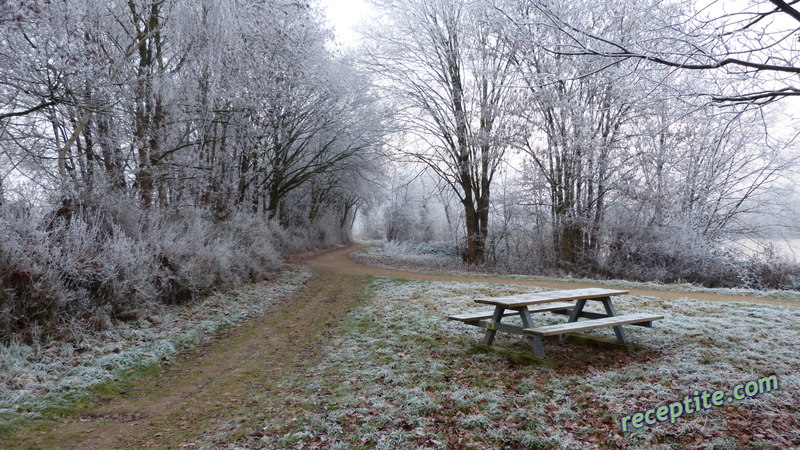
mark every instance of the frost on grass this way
{"type": "Point", "coordinates": [33, 377]}
{"type": "Point", "coordinates": [442, 257]}
{"type": "Point", "coordinates": [398, 374]}
{"type": "Point", "coordinates": [417, 256]}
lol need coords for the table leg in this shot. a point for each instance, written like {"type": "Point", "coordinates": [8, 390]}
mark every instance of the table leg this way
{"type": "Point", "coordinates": [577, 310]}
{"type": "Point", "coordinates": [534, 341]}
{"type": "Point", "coordinates": [488, 338]}
{"type": "Point", "coordinates": [574, 315]}
{"type": "Point", "coordinates": [611, 311]}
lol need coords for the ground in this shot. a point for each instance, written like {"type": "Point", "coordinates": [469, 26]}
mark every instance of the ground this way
{"type": "Point", "coordinates": [360, 357]}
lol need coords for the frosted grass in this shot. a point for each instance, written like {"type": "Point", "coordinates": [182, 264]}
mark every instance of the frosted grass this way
{"type": "Point", "coordinates": [32, 377]}
{"type": "Point", "coordinates": [439, 257]}
{"type": "Point", "coordinates": [396, 366]}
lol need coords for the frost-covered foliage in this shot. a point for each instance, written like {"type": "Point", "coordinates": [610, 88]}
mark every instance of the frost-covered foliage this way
{"type": "Point", "coordinates": [399, 375]}
{"type": "Point", "coordinates": [37, 375]}
{"type": "Point", "coordinates": [441, 257]}
{"type": "Point", "coordinates": [162, 104]}
{"type": "Point", "coordinates": [679, 254]}
{"type": "Point", "coordinates": [670, 254]}
{"type": "Point", "coordinates": [200, 255]}
{"type": "Point", "coordinates": [617, 169]}
{"type": "Point", "coordinates": [417, 256]}
{"type": "Point", "coordinates": [81, 270]}
{"type": "Point", "coordinates": [161, 160]}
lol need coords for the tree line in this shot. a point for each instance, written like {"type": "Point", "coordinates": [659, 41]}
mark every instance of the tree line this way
{"type": "Point", "coordinates": [203, 137]}
{"type": "Point", "coordinates": [635, 138]}
{"type": "Point", "coordinates": [210, 104]}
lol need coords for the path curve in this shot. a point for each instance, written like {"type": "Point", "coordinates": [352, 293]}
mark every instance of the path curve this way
{"type": "Point", "coordinates": [338, 261]}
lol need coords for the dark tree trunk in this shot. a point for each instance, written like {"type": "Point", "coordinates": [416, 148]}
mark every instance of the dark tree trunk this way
{"type": "Point", "coordinates": [476, 233]}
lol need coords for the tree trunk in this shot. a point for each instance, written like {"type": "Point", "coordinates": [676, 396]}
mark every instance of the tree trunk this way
{"type": "Point", "coordinates": [476, 239]}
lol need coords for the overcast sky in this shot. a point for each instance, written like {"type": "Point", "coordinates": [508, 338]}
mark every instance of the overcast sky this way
{"type": "Point", "coordinates": [343, 16]}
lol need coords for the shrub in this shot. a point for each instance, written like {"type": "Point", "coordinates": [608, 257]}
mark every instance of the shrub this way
{"type": "Point", "coordinates": [94, 264]}
{"type": "Point", "coordinates": [770, 272]}
{"type": "Point", "coordinates": [669, 254]}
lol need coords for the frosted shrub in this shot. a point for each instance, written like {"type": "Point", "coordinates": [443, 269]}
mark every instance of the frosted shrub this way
{"type": "Point", "coordinates": [68, 271]}
{"type": "Point", "coordinates": [31, 293]}
{"type": "Point", "coordinates": [288, 240]}
{"type": "Point", "coordinates": [253, 242]}
{"type": "Point", "coordinates": [60, 275]}
{"type": "Point", "coordinates": [669, 254]}
{"type": "Point", "coordinates": [187, 267]}
{"type": "Point", "coordinates": [107, 270]}
{"type": "Point", "coordinates": [770, 272]}
{"type": "Point", "coordinates": [196, 254]}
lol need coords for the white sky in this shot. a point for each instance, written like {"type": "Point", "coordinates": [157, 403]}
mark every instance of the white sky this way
{"type": "Point", "coordinates": [344, 17]}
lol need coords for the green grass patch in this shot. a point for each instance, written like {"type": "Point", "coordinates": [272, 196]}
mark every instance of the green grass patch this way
{"type": "Point", "coordinates": [75, 403]}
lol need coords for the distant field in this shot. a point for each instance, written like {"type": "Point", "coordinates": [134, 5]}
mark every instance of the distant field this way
{"type": "Point", "coordinates": [784, 248]}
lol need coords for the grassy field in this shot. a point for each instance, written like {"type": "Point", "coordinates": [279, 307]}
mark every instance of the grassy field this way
{"type": "Point", "coordinates": [398, 375]}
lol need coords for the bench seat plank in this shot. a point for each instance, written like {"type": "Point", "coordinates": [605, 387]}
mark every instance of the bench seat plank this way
{"type": "Point", "coordinates": [473, 317]}
{"type": "Point", "coordinates": [547, 297]}
{"type": "Point", "coordinates": [595, 315]}
{"type": "Point", "coordinates": [572, 327]}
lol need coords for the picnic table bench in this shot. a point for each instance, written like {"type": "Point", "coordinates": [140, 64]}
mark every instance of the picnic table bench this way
{"type": "Point", "coordinates": [524, 305]}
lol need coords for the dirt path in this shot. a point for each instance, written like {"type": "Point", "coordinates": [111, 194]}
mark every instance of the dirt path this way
{"type": "Point", "coordinates": [338, 261]}
{"type": "Point", "coordinates": [213, 391]}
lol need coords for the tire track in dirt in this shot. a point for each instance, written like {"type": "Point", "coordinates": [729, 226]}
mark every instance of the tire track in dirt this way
{"type": "Point", "coordinates": [213, 388]}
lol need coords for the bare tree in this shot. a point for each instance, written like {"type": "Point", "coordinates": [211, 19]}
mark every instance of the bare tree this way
{"type": "Point", "coordinates": [572, 122]}
{"type": "Point", "coordinates": [755, 46]}
{"type": "Point", "coordinates": [448, 65]}
{"type": "Point", "coordinates": [179, 103]}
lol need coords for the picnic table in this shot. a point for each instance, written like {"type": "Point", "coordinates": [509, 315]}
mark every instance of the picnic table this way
{"type": "Point", "coordinates": [568, 302]}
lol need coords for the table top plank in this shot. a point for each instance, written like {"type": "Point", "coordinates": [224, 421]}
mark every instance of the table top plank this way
{"type": "Point", "coordinates": [551, 296]}
{"type": "Point", "coordinates": [475, 316]}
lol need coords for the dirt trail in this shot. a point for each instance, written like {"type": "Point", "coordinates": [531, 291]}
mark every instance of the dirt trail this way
{"type": "Point", "coordinates": [212, 391]}
{"type": "Point", "coordinates": [338, 261]}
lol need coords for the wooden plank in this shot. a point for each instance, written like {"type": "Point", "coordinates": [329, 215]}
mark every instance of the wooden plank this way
{"type": "Point", "coordinates": [547, 297]}
{"type": "Point", "coordinates": [551, 307]}
{"type": "Point", "coordinates": [570, 327]}
{"type": "Point", "coordinates": [594, 315]}
{"type": "Point", "coordinates": [472, 317]}
{"type": "Point", "coordinates": [495, 327]}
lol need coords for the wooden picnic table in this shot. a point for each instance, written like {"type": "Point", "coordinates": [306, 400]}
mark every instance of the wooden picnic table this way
{"type": "Point", "coordinates": [559, 302]}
